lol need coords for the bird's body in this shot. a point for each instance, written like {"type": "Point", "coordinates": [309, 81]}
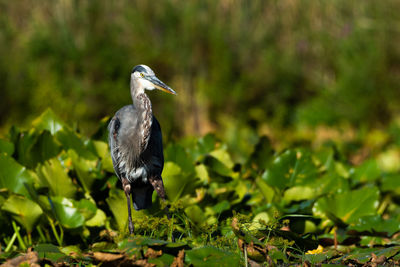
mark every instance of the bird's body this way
{"type": "Point", "coordinates": [136, 158]}
{"type": "Point", "coordinates": [136, 143]}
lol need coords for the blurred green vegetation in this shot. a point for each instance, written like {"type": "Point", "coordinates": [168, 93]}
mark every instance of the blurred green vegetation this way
{"type": "Point", "coordinates": [280, 63]}
{"type": "Point", "coordinates": [59, 196]}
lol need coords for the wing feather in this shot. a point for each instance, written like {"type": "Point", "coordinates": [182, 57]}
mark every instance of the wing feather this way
{"type": "Point", "coordinates": [113, 128]}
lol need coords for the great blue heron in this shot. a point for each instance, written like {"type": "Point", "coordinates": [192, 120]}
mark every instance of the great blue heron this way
{"type": "Point", "coordinates": [136, 143]}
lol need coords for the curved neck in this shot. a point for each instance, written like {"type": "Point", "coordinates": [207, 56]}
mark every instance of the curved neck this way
{"type": "Point", "coordinates": [142, 104]}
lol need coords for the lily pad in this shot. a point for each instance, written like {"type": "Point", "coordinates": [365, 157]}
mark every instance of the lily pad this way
{"type": "Point", "coordinates": [66, 212]}
{"type": "Point", "coordinates": [53, 175]}
{"type": "Point", "coordinates": [214, 165]}
{"type": "Point", "coordinates": [117, 203]}
{"type": "Point", "coordinates": [196, 214]}
{"type": "Point", "coordinates": [164, 260]}
{"type": "Point", "coordinates": [141, 241]}
{"type": "Point", "coordinates": [71, 140]}
{"type": "Point", "coordinates": [211, 256]}
{"type": "Point", "coordinates": [348, 206]}
{"type": "Point", "coordinates": [14, 176]}
{"type": "Point", "coordinates": [49, 251]}
{"type": "Point", "coordinates": [376, 224]}
{"type": "Point", "coordinates": [48, 120]}
{"type": "Point", "coordinates": [177, 154]}
{"type": "Point", "coordinates": [102, 150]}
{"type": "Point", "coordinates": [23, 210]}
{"type": "Point", "coordinates": [262, 154]}
{"type": "Point", "coordinates": [223, 156]}
{"type": "Point", "coordinates": [391, 182]}
{"type": "Point", "coordinates": [293, 167]}
{"type": "Point", "coordinates": [298, 193]}
{"type": "Point", "coordinates": [362, 255]}
{"type": "Point", "coordinates": [97, 220]}
{"type": "Point", "coordinates": [176, 182]}
{"type": "Point", "coordinates": [206, 144]}
{"type": "Point", "coordinates": [6, 147]}
{"type": "Point", "coordinates": [368, 171]}
{"type": "Point", "coordinates": [84, 169]}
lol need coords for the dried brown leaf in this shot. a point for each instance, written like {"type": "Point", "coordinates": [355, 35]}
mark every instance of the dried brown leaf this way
{"type": "Point", "coordinates": [107, 257]}
{"type": "Point", "coordinates": [179, 260]}
{"type": "Point", "coordinates": [31, 258]}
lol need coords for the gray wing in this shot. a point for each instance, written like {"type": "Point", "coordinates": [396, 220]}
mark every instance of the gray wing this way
{"type": "Point", "coordinates": [113, 128]}
{"type": "Point", "coordinates": [123, 139]}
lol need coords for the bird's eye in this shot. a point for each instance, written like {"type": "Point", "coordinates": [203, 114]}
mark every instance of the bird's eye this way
{"type": "Point", "coordinates": [141, 75]}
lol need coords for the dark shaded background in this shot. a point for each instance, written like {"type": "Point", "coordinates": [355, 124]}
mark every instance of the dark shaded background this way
{"type": "Point", "coordinates": [233, 63]}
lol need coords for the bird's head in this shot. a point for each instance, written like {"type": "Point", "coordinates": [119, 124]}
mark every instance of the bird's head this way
{"type": "Point", "coordinates": [143, 78]}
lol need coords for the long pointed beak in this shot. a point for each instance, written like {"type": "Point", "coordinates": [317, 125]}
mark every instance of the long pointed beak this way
{"type": "Point", "coordinates": [160, 85]}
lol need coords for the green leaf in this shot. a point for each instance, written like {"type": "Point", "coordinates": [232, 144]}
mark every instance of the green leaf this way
{"type": "Point", "coordinates": [14, 176]}
{"type": "Point", "coordinates": [48, 121]}
{"type": "Point", "coordinates": [367, 171]}
{"type": "Point", "coordinates": [217, 167]}
{"type": "Point", "coordinates": [68, 250]}
{"type": "Point", "coordinates": [86, 207]}
{"type": "Point", "coordinates": [196, 214]}
{"type": "Point", "coordinates": [348, 206]}
{"type": "Point", "coordinates": [262, 154]}
{"type": "Point", "coordinates": [117, 203]}
{"type": "Point", "coordinates": [164, 260]}
{"type": "Point", "coordinates": [71, 140]}
{"type": "Point", "coordinates": [84, 168]}
{"type": "Point", "coordinates": [293, 167]}
{"type": "Point", "coordinates": [391, 182]}
{"type": "Point", "coordinates": [223, 156]}
{"type": "Point", "coordinates": [35, 146]}
{"type": "Point", "coordinates": [98, 220]}
{"type": "Point", "coordinates": [53, 176]}
{"type": "Point", "coordinates": [256, 224]}
{"type": "Point", "coordinates": [221, 206]}
{"type": "Point", "coordinates": [298, 193]}
{"type": "Point", "coordinates": [267, 192]}
{"type": "Point", "coordinates": [362, 255]}
{"type": "Point", "coordinates": [177, 154]}
{"type": "Point", "coordinates": [316, 258]}
{"type": "Point", "coordinates": [277, 254]}
{"type": "Point", "coordinates": [141, 241]}
{"type": "Point", "coordinates": [49, 251]}
{"type": "Point", "coordinates": [376, 224]}
{"type": "Point", "coordinates": [202, 173]}
{"type": "Point", "coordinates": [211, 256]}
{"type": "Point", "coordinates": [44, 148]}
{"type": "Point", "coordinates": [102, 150]}
{"type": "Point", "coordinates": [206, 144]}
{"type": "Point", "coordinates": [23, 210]}
{"type": "Point", "coordinates": [6, 147]}
{"type": "Point", "coordinates": [176, 183]}
{"type": "Point", "coordinates": [66, 212]}
{"type": "Point", "coordinates": [330, 183]}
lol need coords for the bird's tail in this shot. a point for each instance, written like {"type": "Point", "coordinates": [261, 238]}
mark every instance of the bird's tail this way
{"type": "Point", "coordinates": [142, 197]}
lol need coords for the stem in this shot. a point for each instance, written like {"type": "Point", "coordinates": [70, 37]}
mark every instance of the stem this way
{"type": "Point", "coordinates": [386, 201]}
{"type": "Point", "coordinates": [20, 240]}
{"type": "Point", "coordinates": [55, 231]}
{"type": "Point", "coordinates": [245, 255]}
{"type": "Point", "coordinates": [9, 245]}
{"type": "Point", "coordinates": [61, 233]}
{"type": "Point", "coordinates": [42, 237]}
{"type": "Point", "coordinates": [171, 225]}
{"type": "Point", "coordinates": [29, 239]}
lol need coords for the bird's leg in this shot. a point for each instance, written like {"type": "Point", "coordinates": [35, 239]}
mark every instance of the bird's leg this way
{"type": "Point", "coordinates": [127, 189]}
{"type": "Point", "coordinates": [158, 185]}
